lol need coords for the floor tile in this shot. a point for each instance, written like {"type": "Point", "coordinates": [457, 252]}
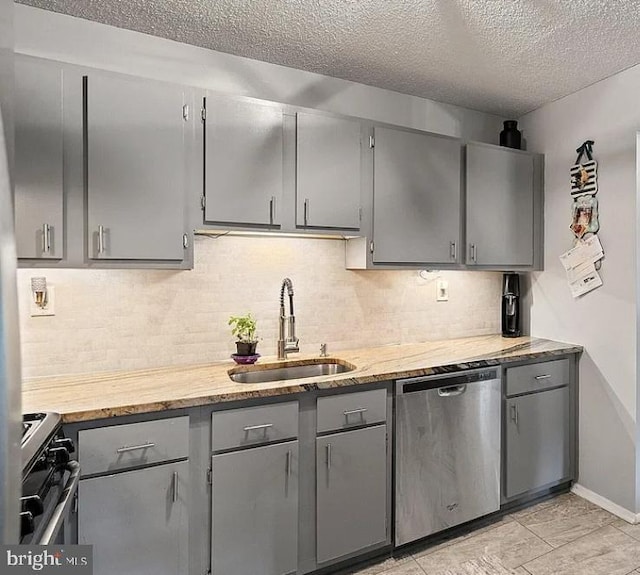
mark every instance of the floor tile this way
{"type": "Point", "coordinates": [606, 551]}
{"type": "Point", "coordinates": [409, 568]}
{"type": "Point", "coordinates": [511, 543]}
{"type": "Point", "coordinates": [628, 528]}
{"type": "Point", "coordinates": [488, 565]}
{"type": "Point", "coordinates": [385, 566]}
{"type": "Point", "coordinates": [566, 519]}
{"type": "Point", "coordinates": [425, 549]}
{"type": "Point", "coordinates": [539, 506]}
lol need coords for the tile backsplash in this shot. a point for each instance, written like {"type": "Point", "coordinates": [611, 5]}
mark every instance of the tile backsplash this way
{"type": "Point", "coordinates": [133, 319]}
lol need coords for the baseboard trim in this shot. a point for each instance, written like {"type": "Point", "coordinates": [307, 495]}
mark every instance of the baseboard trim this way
{"type": "Point", "coordinates": [606, 504]}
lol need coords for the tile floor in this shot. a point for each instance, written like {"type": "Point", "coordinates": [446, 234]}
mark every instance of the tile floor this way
{"type": "Point", "coordinates": [565, 535]}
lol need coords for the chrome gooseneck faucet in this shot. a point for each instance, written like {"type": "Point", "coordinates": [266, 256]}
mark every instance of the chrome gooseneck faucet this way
{"type": "Point", "coordinates": [290, 342]}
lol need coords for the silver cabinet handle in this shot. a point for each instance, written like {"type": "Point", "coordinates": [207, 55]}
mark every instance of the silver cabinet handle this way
{"type": "Point", "coordinates": [128, 448]}
{"type": "Point", "coordinates": [453, 250]}
{"type": "Point", "coordinates": [328, 456]}
{"type": "Point", "coordinates": [306, 212]}
{"type": "Point", "coordinates": [100, 239]}
{"type": "Point", "coordinates": [288, 467]}
{"type": "Point", "coordinates": [514, 414]}
{"type": "Point", "coordinates": [255, 427]}
{"type": "Point", "coordinates": [185, 241]}
{"type": "Point", "coordinates": [46, 238]}
{"type": "Point", "coordinates": [545, 376]}
{"type": "Point", "coordinates": [354, 411]}
{"type": "Point", "coordinates": [473, 252]}
{"type": "Point", "coordinates": [175, 487]}
{"type": "Point", "coordinates": [272, 209]}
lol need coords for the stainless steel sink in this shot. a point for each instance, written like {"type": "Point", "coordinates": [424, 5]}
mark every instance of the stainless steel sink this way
{"type": "Point", "coordinates": [265, 373]}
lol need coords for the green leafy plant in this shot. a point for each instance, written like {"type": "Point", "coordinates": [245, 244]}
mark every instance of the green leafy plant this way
{"type": "Point", "coordinates": [243, 328]}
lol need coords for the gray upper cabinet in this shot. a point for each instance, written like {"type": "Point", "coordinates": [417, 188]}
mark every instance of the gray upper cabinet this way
{"type": "Point", "coordinates": [416, 197]}
{"type": "Point", "coordinates": [137, 520]}
{"type": "Point", "coordinates": [243, 162]}
{"type": "Point", "coordinates": [136, 168]}
{"type": "Point", "coordinates": [351, 491]}
{"type": "Point", "coordinates": [39, 197]}
{"type": "Point", "coordinates": [255, 511]}
{"type": "Point", "coordinates": [328, 174]}
{"type": "Point", "coordinates": [500, 206]}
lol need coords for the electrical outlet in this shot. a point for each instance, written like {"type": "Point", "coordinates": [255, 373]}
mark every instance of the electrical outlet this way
{"type": "Point", "coordinates": [442, 290]}
{"type": "Point", "coordinates": [49, 308]}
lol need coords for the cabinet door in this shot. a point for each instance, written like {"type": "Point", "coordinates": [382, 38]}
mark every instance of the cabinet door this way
{"type": "Point", "coordinates": [499, 206]}
{"type": "Point", "coordinates": [416, 197]}
{"type": "Point", "coordinates": [136, 521]}
{"type": "Point", "coordinates": [255, 511]}
{"type": "Point", "coordinates": [328, 172]}
{"type": "Point", "coordinates": [38, 159]}
{"type": "Point", "coordinates": [351, 491]}
{"type": "Point", "coordinates": [243, 162]}
{"type": "Point", "coordinates": [537, 440]}
{"type": "Point", "coordinates": [135, 133]}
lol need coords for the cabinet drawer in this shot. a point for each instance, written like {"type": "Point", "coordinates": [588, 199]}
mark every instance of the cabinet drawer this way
{"type": "Point", "coordinates": [352, 409]}
{"type": "Point", "coordinates": [537, 376]}
{"type": "Point", "coordinates": [121, 446]}
{"type": "Point", "coordinates": [254, 425]}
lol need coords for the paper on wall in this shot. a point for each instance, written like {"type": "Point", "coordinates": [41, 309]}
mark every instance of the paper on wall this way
{"type": "Point", "coordinates": [589, 250]}
{"type": "Point", "coordinates": [579, 264]}
{"type": "Point", "coordinates": [584, 279]}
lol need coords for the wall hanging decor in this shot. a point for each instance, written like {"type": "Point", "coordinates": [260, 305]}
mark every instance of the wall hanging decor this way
{"type": "Point", "coordinates": [584, 259]}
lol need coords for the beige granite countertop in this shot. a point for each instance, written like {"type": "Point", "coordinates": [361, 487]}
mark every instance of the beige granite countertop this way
{"type": "Point", "coordinates": [96, 396]}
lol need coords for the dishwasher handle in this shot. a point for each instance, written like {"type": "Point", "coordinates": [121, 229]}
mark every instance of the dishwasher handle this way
{"type": "Point", "coordinates": [447, 385]}
{"type": "Point", "coordinates": [452, 391]}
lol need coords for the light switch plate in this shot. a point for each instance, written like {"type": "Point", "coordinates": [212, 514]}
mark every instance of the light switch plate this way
{"type": "Point", "coordinates": [442, 290]}
{"type": "Point", "coordinates": [49, 309]}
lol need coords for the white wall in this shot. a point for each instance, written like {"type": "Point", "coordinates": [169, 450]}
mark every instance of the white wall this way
{"type": "Point", "coordinates": [603, 321]}
{"type": "Point", "coordinates": [59, 37]}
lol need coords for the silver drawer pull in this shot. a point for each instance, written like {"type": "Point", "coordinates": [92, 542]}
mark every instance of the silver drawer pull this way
{"type": "Point", "coordinates": [546, 376]}
{"type": "Point", "coordinates": [288, 466]}
{"type": "Point", "coordinates": [328, 456]}
{"type": "Point", "coordinates": [255, 427]}
{"type": "Point", "coordinates": [128, 448]}
{"type": "Point", "coordinates": [354, 411]}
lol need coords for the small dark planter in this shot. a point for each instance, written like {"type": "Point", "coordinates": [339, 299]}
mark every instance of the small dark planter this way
{"type": "Point", "coordinates": [246, 348]}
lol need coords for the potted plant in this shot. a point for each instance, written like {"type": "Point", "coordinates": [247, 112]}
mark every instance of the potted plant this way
{"type": "Point", "coordinates": [243, 328]}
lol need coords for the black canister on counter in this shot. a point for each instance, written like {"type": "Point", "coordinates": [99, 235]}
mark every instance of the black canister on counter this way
{"type": "Point", "coordinates": [511, 305]}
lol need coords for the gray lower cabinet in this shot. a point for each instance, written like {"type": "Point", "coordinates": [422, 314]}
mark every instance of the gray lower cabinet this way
{"type": "Point", "coordinates": [500, 214]}
{"type": "Point", "coordinates": [136, 168]}
{"type": "Point", "coordinates": [537, 440]}
{"type": "Point", "coordinates": [243, 162]}
{"type": "Point", "coordinates": [39, 196]}
{"type": "Point", "coordinates": [328, 172]}
{"type": "Point", "coordinates": [255, 511]}
{"type": "Point", "coordinates": [351, 469]}
{"type": "Point", "coordinates": [416, 197]}
{"type": "Point", "coordinates": [137, 520]}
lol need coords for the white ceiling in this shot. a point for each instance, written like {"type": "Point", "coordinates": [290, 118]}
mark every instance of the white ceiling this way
{"type": "Point", "coordinates": [502, 56]}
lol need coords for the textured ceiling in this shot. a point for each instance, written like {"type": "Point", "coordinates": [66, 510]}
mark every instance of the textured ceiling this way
{"type": "Point", "coordinates": [502, 56]}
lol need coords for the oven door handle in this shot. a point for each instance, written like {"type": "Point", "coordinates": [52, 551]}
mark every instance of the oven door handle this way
{"type": "Point", "coordinates": [63, 507]}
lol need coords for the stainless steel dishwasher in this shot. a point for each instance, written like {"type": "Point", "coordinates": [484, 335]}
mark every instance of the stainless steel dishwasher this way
{"type": "Point", "coordinates": [447, 456]}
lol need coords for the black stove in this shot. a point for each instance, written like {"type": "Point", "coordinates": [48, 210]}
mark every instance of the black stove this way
{"type": "Point", "coordinates": [49, 477]}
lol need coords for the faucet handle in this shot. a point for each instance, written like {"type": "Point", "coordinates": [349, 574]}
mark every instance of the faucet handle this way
{"type": "Point", "coordinates": [323, 350]}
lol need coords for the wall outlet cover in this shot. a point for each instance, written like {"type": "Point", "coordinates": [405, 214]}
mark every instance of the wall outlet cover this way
{"type": "Point", "coordinates": [442, 290]}
{"type": "Point", "coordinates": [49, 309]}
